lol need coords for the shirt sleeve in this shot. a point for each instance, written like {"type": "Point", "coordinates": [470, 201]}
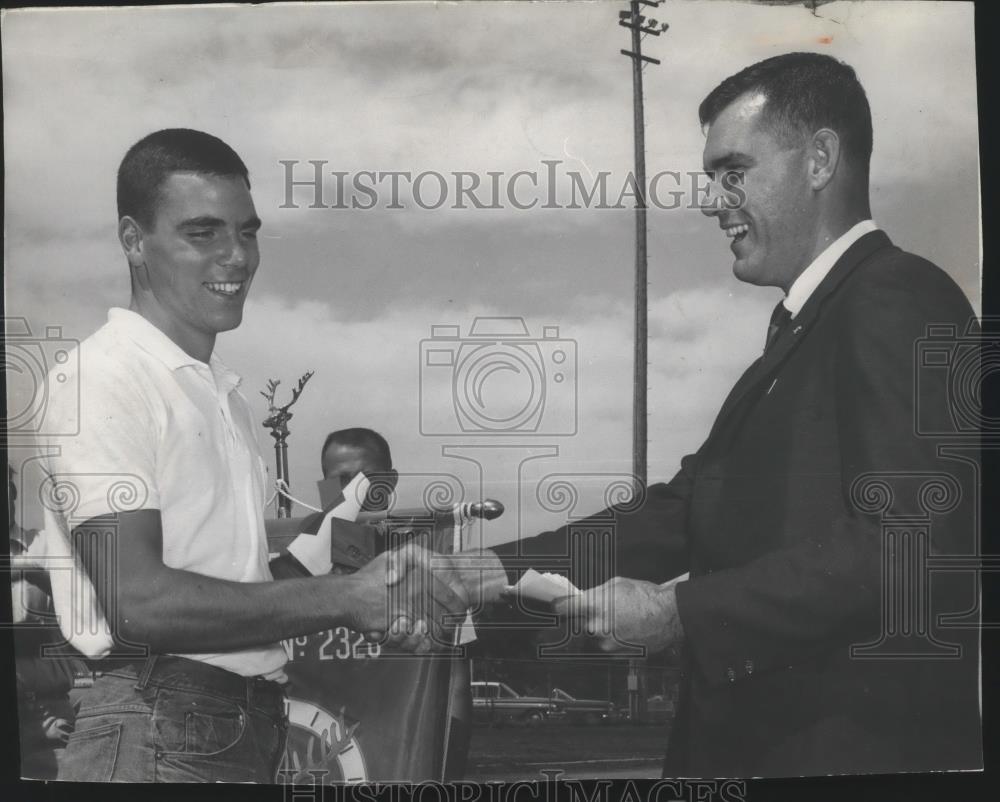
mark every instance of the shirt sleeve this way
{"type": "Point", "coordinates": [109, 466]}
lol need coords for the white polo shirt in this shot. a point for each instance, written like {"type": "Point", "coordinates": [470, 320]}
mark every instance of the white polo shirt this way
{"type": "Point", "coordinates": [160, 430]}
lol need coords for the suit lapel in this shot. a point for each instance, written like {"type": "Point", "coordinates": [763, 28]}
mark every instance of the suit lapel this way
{"type": "Point", "coordinates": [794, 333]}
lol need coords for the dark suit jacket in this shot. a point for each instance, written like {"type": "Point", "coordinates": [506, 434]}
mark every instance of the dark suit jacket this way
{"type": "Point", "coordinates": [786, 549]}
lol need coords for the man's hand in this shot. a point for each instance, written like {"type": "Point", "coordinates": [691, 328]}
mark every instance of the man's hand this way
{"type": "Point", "coordinates": [627, 612]}
{"type": "Point", "coordinates": [479, 572]}
{"type": "Point", "coordinates": [407, 601]}
{"type": "Point", "coordinates": [57, 729]}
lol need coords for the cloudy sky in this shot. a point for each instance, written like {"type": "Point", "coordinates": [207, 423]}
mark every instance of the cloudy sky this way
{"type": "Point", "coordinates": [469, 87]}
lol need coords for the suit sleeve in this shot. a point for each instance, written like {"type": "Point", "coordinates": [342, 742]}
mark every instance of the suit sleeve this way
{"type": "Point", "coordinates": [646, 539]}
{"type": "Point", "coordinates": [825, 590]}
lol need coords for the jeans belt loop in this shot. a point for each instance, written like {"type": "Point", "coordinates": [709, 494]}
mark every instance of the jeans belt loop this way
{"type": "Point", "coordinates": [146, 673]}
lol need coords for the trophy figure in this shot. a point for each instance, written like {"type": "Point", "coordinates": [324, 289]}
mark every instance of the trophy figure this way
{"type": "Point", "coordinates": [277, 422]}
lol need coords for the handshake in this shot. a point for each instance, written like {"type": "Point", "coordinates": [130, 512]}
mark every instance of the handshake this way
{"type": "Point", "coordinates": [416, 600]}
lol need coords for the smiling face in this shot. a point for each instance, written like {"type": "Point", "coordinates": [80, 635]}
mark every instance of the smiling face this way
{"type": "Point", "coordinates": [193, 265]}
{"type": "Point", "coordinates": [773, 231]}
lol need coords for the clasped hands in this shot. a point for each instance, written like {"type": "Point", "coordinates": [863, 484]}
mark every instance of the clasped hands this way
{"type": "Point", "coordinates": [410, 598]}
{"type": "Point", "coordinates": [415, 600]}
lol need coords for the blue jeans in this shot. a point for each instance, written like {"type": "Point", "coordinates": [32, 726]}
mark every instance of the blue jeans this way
{"type": "Point", "coordinates": [177, 720]}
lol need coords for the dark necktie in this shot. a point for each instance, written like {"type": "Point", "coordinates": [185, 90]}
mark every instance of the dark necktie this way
{"type": "Point", "coordinates": [779, 319]}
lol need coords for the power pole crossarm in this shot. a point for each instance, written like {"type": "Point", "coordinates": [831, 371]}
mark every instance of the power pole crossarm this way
{"type": "Point", "coordinates": [650, 59]}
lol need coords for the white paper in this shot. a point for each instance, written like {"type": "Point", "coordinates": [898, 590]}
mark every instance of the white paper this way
{"type": "Point", "coordinates": [313, 551]}
{"type": "Point", "coordinates": [548, 587]}
{"type": "Point", "coordinates": [675, 580]}
{"type": "Point", "coordinates": [544, 587]}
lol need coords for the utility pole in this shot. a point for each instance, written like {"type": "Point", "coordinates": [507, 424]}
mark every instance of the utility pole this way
{"type": "Point", "coordinates": [640, 25]}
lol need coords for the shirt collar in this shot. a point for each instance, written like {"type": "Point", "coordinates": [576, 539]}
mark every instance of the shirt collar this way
{"type": "Point", "coordinates": [810, 278]}
{"type": "Point", "coordinates": [153, 341]}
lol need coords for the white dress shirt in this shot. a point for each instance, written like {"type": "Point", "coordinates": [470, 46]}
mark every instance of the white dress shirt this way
{"type": "Point", "coordinates": [810, 278]}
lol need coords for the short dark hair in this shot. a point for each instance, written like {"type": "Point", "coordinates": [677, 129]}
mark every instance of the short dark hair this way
{"type": "Point", "coordinates": [366, 439]}
{"type": "Point", "coordinates": [150, 162]}
{"type": "Point", "coordinates": [804, 91]}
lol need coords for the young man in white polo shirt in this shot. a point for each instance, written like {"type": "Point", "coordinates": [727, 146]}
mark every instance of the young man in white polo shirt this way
{"type": "Point", "coordinates": [168, 462]}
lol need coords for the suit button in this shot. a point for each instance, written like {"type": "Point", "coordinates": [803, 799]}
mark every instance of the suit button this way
{"type": "Point", "coordinates": [730, 675]}
{"type": "Point", "coordinates": [748, 666]}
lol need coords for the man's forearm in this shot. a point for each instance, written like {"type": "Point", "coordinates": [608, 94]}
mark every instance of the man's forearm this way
{"type": "Point", "coordinates": [481, 574]}
{"type": "Point", "coordinates": [180, 611]}
{"type": "Point", "coordinates": [644, 538]}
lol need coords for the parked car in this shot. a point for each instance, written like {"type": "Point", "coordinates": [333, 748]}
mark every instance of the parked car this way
{"type": "Point", "coordinates": [497, 703]}
{"type": "Point", "coordinates": [584, 711]}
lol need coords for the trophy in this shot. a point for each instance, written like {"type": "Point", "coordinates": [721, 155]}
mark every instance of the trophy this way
{"type": "Point", "coordinates": [277, 422]}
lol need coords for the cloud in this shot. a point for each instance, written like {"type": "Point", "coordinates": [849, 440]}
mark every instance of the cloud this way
{"type": "Point", "coordinates": [368, 373]}
{"type": "Point", "coordinates": [470, 86]}
{"type": "Point", "coordinates": [446, 87]}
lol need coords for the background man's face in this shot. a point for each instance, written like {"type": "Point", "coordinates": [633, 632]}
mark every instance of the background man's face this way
{"type": "Point", "coordinates": [345, 462]}
{"type": "Point", "coordinates": [201, 252]}
{"type": "Point", "coordinates": [770, 235]}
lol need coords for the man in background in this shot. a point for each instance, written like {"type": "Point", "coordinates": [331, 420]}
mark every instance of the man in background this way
{"type": "Point", "coordinates": [348, 452]}
{"type": "Point", "coordinates": [345, 453]}
{"type": "Point", "coordinates": [412, 717]}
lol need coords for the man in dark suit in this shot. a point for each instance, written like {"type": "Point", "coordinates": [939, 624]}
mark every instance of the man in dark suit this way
{"type": "Point", "coordinates": [781, 515]}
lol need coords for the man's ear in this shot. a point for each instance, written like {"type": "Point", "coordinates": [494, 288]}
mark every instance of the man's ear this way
{"type": "Point", "coordinates": [824, 158]}
{"type": "Point", "coordinates": [130, 237]}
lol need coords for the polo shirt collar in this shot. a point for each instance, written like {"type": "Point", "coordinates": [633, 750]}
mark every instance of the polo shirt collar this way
{"type": "Point", "coordinates": [154, 342]}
